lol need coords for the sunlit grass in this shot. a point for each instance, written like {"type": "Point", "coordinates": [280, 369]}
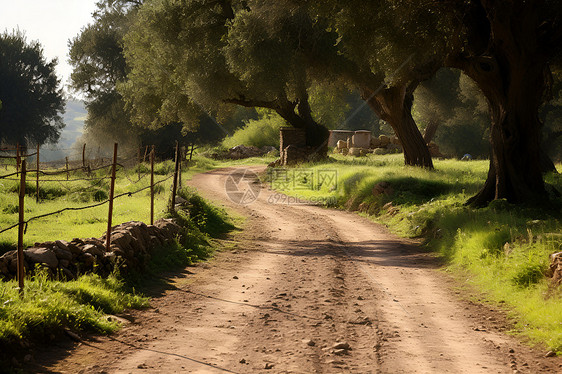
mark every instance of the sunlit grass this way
{"type": "Point", "coordinates": [504, 248]}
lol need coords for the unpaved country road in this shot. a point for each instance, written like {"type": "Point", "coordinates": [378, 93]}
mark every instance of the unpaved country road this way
{"type": "Point", "coordinates": [301, 279]}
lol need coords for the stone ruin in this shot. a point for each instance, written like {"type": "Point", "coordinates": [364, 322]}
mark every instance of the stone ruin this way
{"type": "Point", "coordinates": [292, 147]}
{"type": "Point", "coordinates": [360, 143]}
{"type": "Point", "coordinates": [131, 247]}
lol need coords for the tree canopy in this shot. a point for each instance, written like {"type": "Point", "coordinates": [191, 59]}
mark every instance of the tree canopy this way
{"type": "Point", "coordinates": [209, 56]}
{"type": "Point", "coordinates": [96, 55]}
{"type": "Point", "coordinates": [32, 100]}
{"type": "Point", "coordinates": [181, 58]}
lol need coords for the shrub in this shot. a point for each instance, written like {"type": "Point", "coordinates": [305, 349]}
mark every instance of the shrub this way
{"type": "Point", "coordinates": [259, 133]}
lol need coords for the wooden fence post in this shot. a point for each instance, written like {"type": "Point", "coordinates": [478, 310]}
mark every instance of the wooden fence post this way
{"type": "Point", "coordinates": [18, 159]}
{"type": "Point", "coordinates": [175, 184]}
{"type": "Point", "coordinates": [67, 176]}
{"type": "Point", "coordinates": [145, 153]}
{"type": "Point", "coordinates": [37, 176]}
{"type": "Point", "coordinates": [180, 152]}
{"type": "Point", "coordinates": [21, 270]}
{"type": "Point", "coordinates": [84, 156]}
{"type": "Point", "coordinates": [111, 193]}
{"type": "Point", "coordinates": [139, 161]}
{"type": "Point", "coordinates": [152, 186]}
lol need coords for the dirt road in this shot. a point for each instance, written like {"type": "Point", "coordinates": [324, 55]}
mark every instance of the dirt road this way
{"type": "Point", "coordinates": [306, 290]}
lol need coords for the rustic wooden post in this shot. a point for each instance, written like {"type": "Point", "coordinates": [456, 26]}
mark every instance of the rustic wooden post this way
{"type": "Point", "coordinates": [181, 153]}
{"type": "Point", "coordinates": [37, 176]}
{"type": "Point", "coordinates": [18, 159]}
{"type": "Point", "coordinates": [111, 193]}
{"type": "Point", "coordinates": [152, 186]}
{"type": "Point", "coordinates": [139, 160]}
{"type": "Point", "coordinates": [67, 176]}
{"type": "Point", "coordinates": [191, 153]}
{"type": "Point", "coordinates": [145, 153]}
{"type": "Point", "coordinates": [175, 184]}
{"type": "Point", "coordinates": [21, 270]}
{"type": "Point", "coordinates": [84, 156]}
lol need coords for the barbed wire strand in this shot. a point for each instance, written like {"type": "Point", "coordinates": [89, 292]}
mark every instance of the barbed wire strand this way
{"type": "Point", "coordinates": [26, 222]}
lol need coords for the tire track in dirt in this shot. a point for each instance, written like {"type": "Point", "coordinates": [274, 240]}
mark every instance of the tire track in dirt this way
{"type": "Point", "coordinates": [301, 279]}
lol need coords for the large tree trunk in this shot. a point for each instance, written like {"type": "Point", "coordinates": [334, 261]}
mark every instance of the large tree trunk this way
{"type": "Point", "coordinates": [511, 74]}
{"type": "Point", "coordinates": [394, 105]}
{"type": "Point", "coordinates": [316, 134]}
{"type": "Point", "coordinates": [430, 131]}
{"type": "Point", "coordinates": [515, 167]}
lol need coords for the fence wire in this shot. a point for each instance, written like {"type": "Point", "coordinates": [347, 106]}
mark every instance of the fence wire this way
{"type": "Point", "coordinates": [26, 222]}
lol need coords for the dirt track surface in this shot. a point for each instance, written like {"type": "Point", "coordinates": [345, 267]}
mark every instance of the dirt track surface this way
{"type": "Point", "coordinates": [301, 280]}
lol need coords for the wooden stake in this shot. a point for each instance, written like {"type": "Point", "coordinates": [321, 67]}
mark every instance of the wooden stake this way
{"type": "Point", "coordinates": [139, 160]}
{"type": "Point", "coordinates": [18, 159]}
{"type": "Point", "coordinates": [175, 184]}
{"type": "Point", "coordinates": [111, 193]}
{"type": "Point", "coordinates": [84, 156]}
{"type": "Point", "coordinates": [180, 166]}
{"type": "Point", "coordinates": [145, 153]}
{"type": "Point", "coordinates": [191, 153]}
{"type": "Point", "coordinates": [21, 270]}
{"type": "Point", "coordinates": [152, 186]}
{"type": "Point", "coordinates": [37, 176]}
{"type": "Point", "coordinates": [67, 176]}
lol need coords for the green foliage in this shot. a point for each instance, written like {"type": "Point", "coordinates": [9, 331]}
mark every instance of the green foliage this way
{"type": "Point", "coordinates": [164, 168]}
{"type": "Point", "coordinates": [47, 192]}
{"type": "Point", "coordinates": [48, 306]}
{"type": "Point", "coordinates": [503, 249]}
{"type": "Point", "coordinates": [206, 217]}
{"type": "Point", "coordinates": [261, 132]}
{"type": "Point", "coordinates": [32, 100]}
{"type": "Point", "coordinates": [455, 104]}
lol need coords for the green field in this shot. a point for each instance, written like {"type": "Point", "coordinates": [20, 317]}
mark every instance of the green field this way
{"type": "Point", "coordinates": [503, 249]}
{"type": "Point", "coordinates": [49, 306]}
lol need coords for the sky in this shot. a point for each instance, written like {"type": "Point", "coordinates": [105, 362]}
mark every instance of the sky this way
{"type": "Point", "coordinates": [51, 22]}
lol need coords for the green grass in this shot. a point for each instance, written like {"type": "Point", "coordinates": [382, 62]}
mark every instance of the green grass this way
{"type": "Point", "coordinates": [92, 222]}
{"type": "Point", "coordinates": [259, 133]}
{"type": "Point", "coordinates": [49, 306]}
{"type": "Point", "coordinates": [502, 249]}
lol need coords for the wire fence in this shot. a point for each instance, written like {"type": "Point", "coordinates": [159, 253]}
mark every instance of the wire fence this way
{"type": "Point", "coordinates": [22, 173]}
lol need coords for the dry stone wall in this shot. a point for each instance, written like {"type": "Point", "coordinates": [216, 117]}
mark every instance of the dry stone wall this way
{"type": "Point", "coordinates": [131, 247]}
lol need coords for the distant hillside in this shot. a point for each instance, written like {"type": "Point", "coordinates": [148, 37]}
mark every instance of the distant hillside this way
{"type": "Point", "coordinates": [74, 119]}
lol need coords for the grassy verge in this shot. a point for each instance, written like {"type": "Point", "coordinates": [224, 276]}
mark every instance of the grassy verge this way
{"type": "Point", "coordinates": [48, 307]}
{"type": "Point", "coordinates": [502, 249]}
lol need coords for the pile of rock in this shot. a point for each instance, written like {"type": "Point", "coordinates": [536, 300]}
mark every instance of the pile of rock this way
{"type": "Point", "coordinates": [293, 154]}
{"type": "Point", "coordinates": [379, 146]}
{"type": "Point", "coordinates": [131, 246]}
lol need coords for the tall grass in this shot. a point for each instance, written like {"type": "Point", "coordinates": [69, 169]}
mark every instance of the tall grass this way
{"type": "Point", "coordinates": [502, 249]}
{"type": "Point", "coordinates": [258, 133]}
{"type": "Point", "coordinates": [48, 307]}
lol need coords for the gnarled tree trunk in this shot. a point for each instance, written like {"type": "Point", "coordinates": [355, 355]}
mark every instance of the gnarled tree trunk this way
{"type": "Point", "coordinates": [511, 74]}
{"type": "Point", "coordinates": [394, 105]}
{"type": "Point", "coordinates": [514, 93]}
